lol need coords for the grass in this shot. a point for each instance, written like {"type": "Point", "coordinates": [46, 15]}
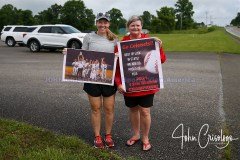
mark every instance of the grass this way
{"type": "Point", "coordinates": [227, 150]}
{"type": "Point", "coordinates": [217, 41]}
{"type": "Point", "coordinates": [200, 40]}
{"type": "Point", "coordinates": [201, 30]}
{"type": "Point", "coordinates": [25, 142]}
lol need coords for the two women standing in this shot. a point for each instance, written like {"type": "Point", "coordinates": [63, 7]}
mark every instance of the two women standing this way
{"type": "Point", "coordinates": [103, 96]}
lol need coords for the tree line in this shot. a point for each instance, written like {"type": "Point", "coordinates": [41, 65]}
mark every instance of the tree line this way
{"type": "Point", "coordinates": [75, 13]}
{"type": "Point", "coordinates": [236, 20]}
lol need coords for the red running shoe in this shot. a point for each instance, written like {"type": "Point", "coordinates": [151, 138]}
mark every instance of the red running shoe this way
{"type": "Point", "coordinates": [98, 143]}
{"type": "Point", "coordinates": [109, 141]}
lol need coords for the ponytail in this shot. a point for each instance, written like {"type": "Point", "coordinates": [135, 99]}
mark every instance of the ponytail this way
{"type": "Point", "coordinates": [111, 36]}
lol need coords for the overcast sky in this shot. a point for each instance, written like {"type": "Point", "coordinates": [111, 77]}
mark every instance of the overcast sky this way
{"type": "Point", "coordinates": [220, 12]}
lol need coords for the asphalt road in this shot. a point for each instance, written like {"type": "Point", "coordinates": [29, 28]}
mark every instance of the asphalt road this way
{"type": "Point", "coordinates": [201, 89]}
{"type": "Point", "coordinates": [234, 31]}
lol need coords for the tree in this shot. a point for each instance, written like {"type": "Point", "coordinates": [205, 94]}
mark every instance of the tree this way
{"type": "Point", "coordinates": [155, 25]}
{"type": "Point", "coordinates": [236, 21]}
{"type": "Point", "coordinates": [147, 18]}
{"type": "Point", "coordinates": [8, 15]}
{"type": "Point", "coordinates": [166, 15]}
{"type": "Point", "coordinates": [117, 19]}
{"type": "Point", "coordinates": [184, 12]}
{"type": "Point", "coordinates": [76, 14]}
{"type": "Point", "coordinates": [90, 19]}
{"type": "Point", "coordinates": [122, 23]}
{"type": "Point", "coordinates": [50, 16]}
{"type": "Point", "coordinates": [24, 17]}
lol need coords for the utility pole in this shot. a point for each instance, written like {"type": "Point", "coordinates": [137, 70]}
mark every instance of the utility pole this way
{"type": "Point", "coordinates": [206, 18]}
{"type": "Point", "coordinates": [181, 21]}
{"type": "Point", "coordinates": [211, 22]}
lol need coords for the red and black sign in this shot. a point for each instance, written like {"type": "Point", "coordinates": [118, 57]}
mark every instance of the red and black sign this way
{"type": "Point", "coordinates": [140, 62]}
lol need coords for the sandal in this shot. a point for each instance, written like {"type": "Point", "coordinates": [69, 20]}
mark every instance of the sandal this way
{"type": "Point", "coordinates": [132, 141]}
{"type": "Point", "coordinates": [147, 146]}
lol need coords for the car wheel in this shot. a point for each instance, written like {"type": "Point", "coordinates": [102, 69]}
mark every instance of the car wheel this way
{"type": "Point", "coordinates": [34, 46]}
{"type": "Point", "coordinates": [75, 45]}
{"type": "Point", "coordinates": [10, 42]}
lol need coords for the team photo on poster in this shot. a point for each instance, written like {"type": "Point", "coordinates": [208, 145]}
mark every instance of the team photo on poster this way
{"type": "Point", "coordinates": [89, 67]}
{"type": "Point", "coordinates": [141, 67]}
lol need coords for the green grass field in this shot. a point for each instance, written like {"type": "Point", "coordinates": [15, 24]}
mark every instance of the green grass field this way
{"type": "Point", "coordinates": [25, 142]}
{"type": "Point", "coordinates": [218, 41]}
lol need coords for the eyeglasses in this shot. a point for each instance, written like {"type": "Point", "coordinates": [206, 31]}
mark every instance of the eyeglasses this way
{"type": "Point", "coordinates": [107, 15]}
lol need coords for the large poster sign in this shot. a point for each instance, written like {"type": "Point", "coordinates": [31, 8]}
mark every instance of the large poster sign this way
{"type": "Point", "coordinates": [89, 67]}
{"type": "Point", "coordinates": [141, 68]}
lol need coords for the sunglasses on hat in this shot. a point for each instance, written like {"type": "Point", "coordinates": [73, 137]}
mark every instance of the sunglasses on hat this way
{"type": "Point", "coordinates": [103, 16]}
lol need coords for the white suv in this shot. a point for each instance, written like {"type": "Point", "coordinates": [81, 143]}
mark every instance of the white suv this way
{"type": "Point", "coordinates": [54, 37]}
{"type": "Point", "coordinates": [14, 34]}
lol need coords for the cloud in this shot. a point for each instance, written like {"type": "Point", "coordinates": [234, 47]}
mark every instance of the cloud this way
{"type": "Point", "coordinates": [221, 12]}
{"type": "Point", "coordinates": [34, 5]}
{"type": "Point", "coordinates": [218, 11]}
{"type": "Point", "coordinates": [128, 7]}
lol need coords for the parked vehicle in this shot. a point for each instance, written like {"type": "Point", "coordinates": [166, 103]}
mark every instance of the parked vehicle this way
{"type": "Point", "coordinates": [54, 37]}
{"type": "Point", "coordinates": [13, 35]}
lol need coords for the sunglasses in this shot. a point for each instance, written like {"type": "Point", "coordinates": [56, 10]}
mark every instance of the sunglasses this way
{"type": "Point", "coordinates": [107, 15]}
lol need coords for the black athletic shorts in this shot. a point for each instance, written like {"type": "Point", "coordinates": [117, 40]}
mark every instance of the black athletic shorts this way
{"type": "Point", "coordinates": [97, 90]}
{"type": "Point", "coordinates": [142, 101]}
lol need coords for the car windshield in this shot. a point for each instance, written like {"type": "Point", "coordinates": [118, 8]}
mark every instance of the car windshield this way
{"type": "Point", "coordinates": [69, 29]}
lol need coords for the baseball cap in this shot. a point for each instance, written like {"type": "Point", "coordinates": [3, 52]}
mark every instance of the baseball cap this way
{"type": "Point", "coordinates": [103, 16]}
